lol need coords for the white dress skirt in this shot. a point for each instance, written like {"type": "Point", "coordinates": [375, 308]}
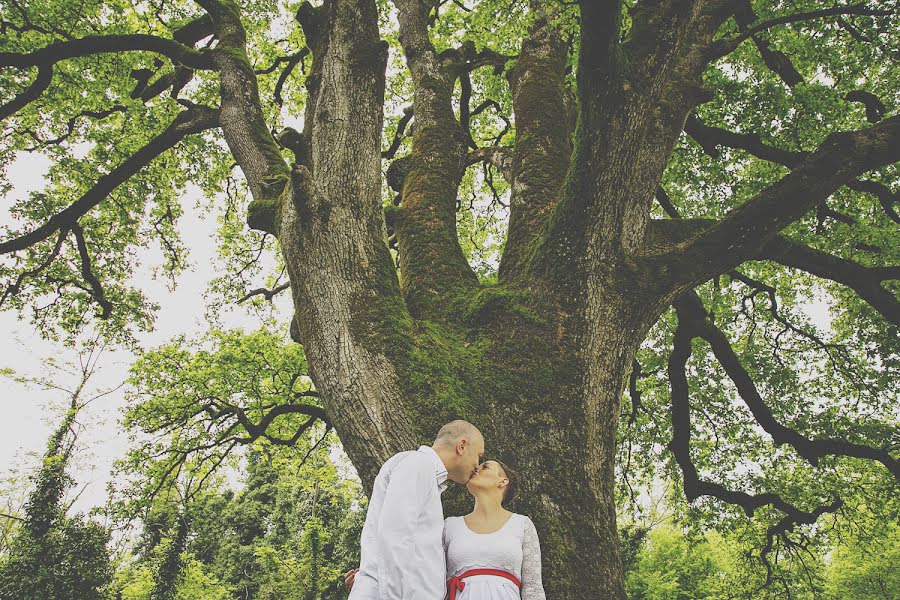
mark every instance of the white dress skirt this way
{"type": "Point", "coordinates": [514, 548]}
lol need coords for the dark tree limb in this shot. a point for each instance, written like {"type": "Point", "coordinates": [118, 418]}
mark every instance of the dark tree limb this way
{"type": "Point", "coordinates": [727, 46]}
{"type": "Point", "coordinates": [875, 108]}
{"type": "Point", "coordinates": [70, 126]}
{"type": "Point", "coordinates": [690, 308]}
{"type": "Point", "coordinates": [694, 486]}
{"type": "Point", "coordinates": [108, 44]}
{"type": "Point", "coordinates": [191, 121]}
{"type": "Point", "coordinates": [710, 137]}
{"type": "Point", "coordinates": [865, 281]}
{"type": "Point", "coordinates": [15, 287]}
{"type": "Point", "coordinates": [88, 273]}
{"type": "Point", "coordinates": [886, 197]}
{"type": "Point", "coordinates": [32, 93]}
{"type": "Point", "coordinates": [267, 293]}
{"type": "Point", "coordinates": [398, 135]}
{"type": "Point", "coordinates": [258, 430]}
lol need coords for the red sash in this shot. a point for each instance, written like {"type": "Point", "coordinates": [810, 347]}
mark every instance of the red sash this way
{"type": "Point", "coordinates": [457, 584]}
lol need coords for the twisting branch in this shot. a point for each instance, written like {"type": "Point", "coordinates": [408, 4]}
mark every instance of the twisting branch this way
{"type": "Point", "coordinates": [886, 197]}
{"type": "Point", "coordinates": [108, 44]}
{"type": "Point", "coordinates": [258, 430]}
{"type": "Point", "coordinates": [291, 62]}
{"type": "Point", "coordinates": [875, 108]}
{"type": "Point", "coordinates": [88, 273]}
{"type": "Point", "coordinates": [70, 126]}
{"type": "Point", "coordinates": [191, 121]}
{"type": "Point", "coordinates": [16, 286]}
{"type": "Point", "coordinates": [398, 135]}
{"type": "Point", "coordinates": [690, 308]}
{"type": "Point", "coordinates": [694, 486]}
{"type": "Point", "coordinates": [269, 294]}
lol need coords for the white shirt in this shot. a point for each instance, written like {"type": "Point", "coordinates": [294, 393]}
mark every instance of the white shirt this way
{"type": "Point", "coordinates": [402, 554]}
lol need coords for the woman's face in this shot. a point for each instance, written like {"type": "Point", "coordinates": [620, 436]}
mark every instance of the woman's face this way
{"type": "Point", "coordinates": [488, 476]}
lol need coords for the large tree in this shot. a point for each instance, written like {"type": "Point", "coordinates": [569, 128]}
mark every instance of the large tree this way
{"type": "Point", "coordinates": [763, 131]}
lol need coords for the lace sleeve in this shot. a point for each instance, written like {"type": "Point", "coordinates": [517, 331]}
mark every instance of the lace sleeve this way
{"type": "Point", "coordinates": [532, 587]}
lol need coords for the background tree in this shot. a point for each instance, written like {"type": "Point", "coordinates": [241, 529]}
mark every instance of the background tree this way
{"type": "Point", "coordinates": [766, 134]}
{"type": "Point", "coordinates": [293, 528]}
{"type": "Point", "coordinates": [52, 554]}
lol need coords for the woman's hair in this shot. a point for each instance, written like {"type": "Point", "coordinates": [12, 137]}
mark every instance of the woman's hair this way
{"type": "Point", "coordinates": [509, 492]}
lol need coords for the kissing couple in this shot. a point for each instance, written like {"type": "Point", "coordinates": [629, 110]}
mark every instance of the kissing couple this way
{"type": "Point", "coordinates": [410, 552]}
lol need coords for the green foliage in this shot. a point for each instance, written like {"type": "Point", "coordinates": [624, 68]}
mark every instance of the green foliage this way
{"type": "Point", "coordinates": [670, 567]}
{"type": "Point", "coordinates": [866, 569]}
{"type": "Point", "coordinates": [289, 533]}
{"type": "Point", "coordinates": [196, 393]}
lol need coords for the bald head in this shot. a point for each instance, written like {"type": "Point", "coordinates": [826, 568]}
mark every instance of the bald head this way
{"type": "Point", "coordinates": [461, 446]}
{"type": "Point", "coordinates": [454, 431]}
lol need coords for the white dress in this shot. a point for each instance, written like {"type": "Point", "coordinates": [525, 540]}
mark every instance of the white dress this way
{"type": "Point", "coordinates": [514, 548]}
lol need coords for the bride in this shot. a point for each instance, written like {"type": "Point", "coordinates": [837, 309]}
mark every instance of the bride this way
{"type": "Point", "coordinates": [492, 553]}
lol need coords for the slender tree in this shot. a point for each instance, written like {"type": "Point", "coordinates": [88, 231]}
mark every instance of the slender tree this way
{"type": "Point", "coordinates": [744, 118]}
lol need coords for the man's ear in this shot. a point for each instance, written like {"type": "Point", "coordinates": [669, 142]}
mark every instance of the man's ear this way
{"type": "Point", "coordinates": [461, 447]}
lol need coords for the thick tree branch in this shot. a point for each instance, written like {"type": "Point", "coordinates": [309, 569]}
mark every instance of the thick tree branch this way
{"type": "Point", "coordinates": [865, 281]}
{"type": "Point", "coordinates": [431, 260]}
{"type": "Point", "coordinates": [108, 44]}
{"type": "Point", "coordinates": [32, 93]}
{"type": "Point", "coordinates": [398, 135]}
{"type": "Point", "coordinates": [742, 233]}
{"type": "Point", "coordinates": [191, 121]}
{"type": "Point", "coordinates": [242, 119]}
{"type": "Point", "coordinates": [710, 137]}
{"type": "Point", "coordinates": [886, 197]}
{"type": "Point", "coordinates": [542, 151]}
{"type": "Point", "coordinates": [88, 273]}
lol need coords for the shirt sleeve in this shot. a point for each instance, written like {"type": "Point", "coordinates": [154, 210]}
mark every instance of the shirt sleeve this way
{"type": "Point", "coordinates": [404, 501]}
{"type": "Point", "coordinates": [532, 586]}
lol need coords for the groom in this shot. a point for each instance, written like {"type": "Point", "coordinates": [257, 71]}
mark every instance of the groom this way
{"type": "Point", "coordinates": [402, 549]}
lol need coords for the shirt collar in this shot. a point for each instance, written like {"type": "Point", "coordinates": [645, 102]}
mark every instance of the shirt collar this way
{"type": "Point", "coordinates": [440, 470]}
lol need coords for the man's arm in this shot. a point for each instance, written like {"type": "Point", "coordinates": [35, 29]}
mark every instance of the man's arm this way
{"type": "Point", "coordinates": [404, 501]}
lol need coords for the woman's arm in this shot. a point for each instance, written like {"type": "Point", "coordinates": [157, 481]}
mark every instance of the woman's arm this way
{"type": "Point", "coordinates": [532, 586]}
